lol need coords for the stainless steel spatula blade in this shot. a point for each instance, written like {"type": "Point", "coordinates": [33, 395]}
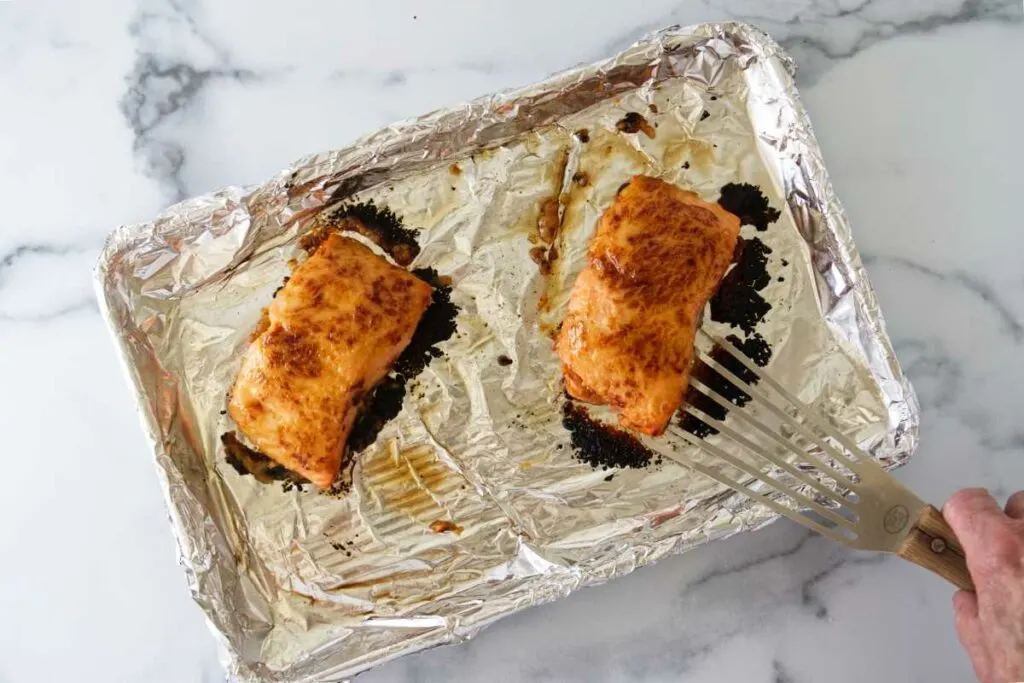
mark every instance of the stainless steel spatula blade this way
{"type": "Point", "coordinates": [781, 453]}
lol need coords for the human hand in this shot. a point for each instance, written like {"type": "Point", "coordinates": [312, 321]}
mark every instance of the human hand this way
{"type": "Point", "coordinates": [990, 622]}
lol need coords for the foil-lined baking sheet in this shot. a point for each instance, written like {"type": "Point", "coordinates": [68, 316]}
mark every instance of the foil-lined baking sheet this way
{"type": "Point", "coordinates": [471, 504]}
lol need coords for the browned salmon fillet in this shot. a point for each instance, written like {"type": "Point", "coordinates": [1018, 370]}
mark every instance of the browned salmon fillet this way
{"type": "Point", "coordinates": [658, 255]}
{"type": "Point", "coordinates": [331, 333]}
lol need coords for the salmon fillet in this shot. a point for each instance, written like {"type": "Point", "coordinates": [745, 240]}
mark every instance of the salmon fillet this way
{"type": "Point", "coordinates": [658, 255]}
{"type": "Point", "coordinates": [331, 333]}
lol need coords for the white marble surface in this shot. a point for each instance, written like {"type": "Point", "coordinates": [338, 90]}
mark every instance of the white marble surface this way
{"type": "Point", "coordinates": [110, 111]}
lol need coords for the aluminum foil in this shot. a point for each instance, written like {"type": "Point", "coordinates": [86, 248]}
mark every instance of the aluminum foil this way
{"type": "Point", "coordinates": [303, 586]}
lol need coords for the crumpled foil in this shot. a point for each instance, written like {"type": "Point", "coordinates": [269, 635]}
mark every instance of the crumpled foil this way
{"type": "Point", "coordinates": [303, 586]}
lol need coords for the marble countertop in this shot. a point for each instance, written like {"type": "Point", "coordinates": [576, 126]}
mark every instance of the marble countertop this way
{"type": "Point", "coordinates": [108, 114]}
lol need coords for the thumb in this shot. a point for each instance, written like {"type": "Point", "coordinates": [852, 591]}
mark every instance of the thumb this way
{"type": "Point", "coordinates": [971, 512]}
{"type": "Point", "coordinates": [968, 629]}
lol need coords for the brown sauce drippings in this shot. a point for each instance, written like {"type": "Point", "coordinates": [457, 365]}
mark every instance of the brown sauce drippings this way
{"type": "Point", "coordinates": [634, 122]}
{"type": "Point", "coordinates": [601, 445]}
{"type": "Point", "coordinates": [544, 257]}
{"type": "Point", "coordinates": [441, 526]}
{"type": "Point", "coordinates": [548, 221]}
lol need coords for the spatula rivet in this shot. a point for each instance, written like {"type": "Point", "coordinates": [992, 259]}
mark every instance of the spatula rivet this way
{"type": "Point", "coordinates": [938, 545]}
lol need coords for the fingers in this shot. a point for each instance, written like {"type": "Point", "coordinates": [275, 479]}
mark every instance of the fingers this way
{"type": "Point", "coordinates": [968, 629]}
{"type": "Point", "coordinates": [1015, 505]}
{"type": "Point", "coordinates": [970, 512]}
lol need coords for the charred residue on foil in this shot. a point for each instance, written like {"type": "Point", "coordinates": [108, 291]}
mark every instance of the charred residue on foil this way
{"type": "Point", "coordinates": [601, 445]}
{"type": "Point", "coordinates": [750, 204]}
{"type": "Point", "coordinates": [376, 223]}
{"type": "Point", "coordinates": [753, 347]}
{"type": "Point", "coordinates": [737, 303]}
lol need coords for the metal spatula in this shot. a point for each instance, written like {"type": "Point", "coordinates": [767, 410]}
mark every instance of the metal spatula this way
{"type": "Point", "coordinates": [793, 461]}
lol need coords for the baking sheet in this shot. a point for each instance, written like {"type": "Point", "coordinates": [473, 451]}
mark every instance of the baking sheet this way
{"type": "Point", "coordinates": [305, 586]}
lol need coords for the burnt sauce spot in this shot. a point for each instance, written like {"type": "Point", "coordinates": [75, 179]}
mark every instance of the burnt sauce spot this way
{"type": "Point", "coordinates": [601, 445]}
{"type": "Point", "coordinates": [748, 203]}
{"type": "Point", "coordinates": [583, 135]}
{"type": "Point", "coordinates": [752, 266]}
{"type": "Point", "coordinates": [385, 401]}
{"type": "Point", "coordinates": [504, 361]}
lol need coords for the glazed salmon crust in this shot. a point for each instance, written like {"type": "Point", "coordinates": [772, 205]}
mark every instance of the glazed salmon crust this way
{"type": "Point", "coordinates": [330, 335]}
{"type": "Point", "coordinates": [658, 255]}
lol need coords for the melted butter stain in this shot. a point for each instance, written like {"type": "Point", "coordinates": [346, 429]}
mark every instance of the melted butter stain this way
{"type": "Point", "coordinates": [699, 154]}
{"type": "Point", "coordinates": [610, 152]}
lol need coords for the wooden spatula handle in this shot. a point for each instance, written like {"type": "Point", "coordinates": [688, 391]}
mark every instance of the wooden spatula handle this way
{"type": "Point", "coordinates": [933, 545]}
